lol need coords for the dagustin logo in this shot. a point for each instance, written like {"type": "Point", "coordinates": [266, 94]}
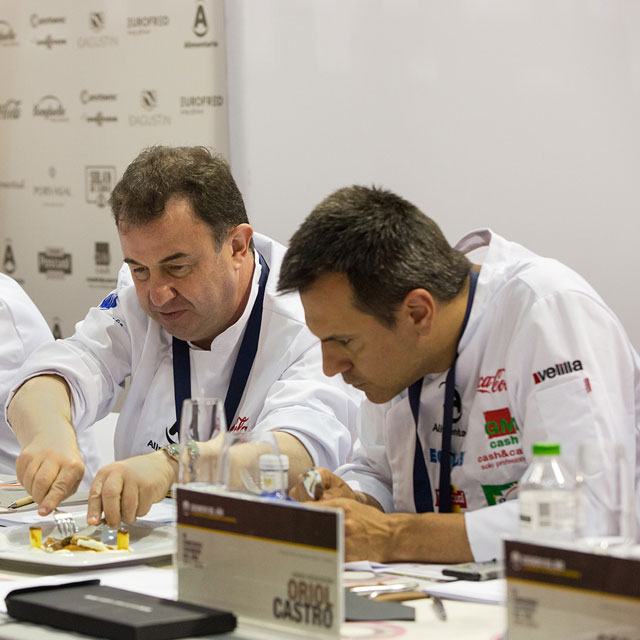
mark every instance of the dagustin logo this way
{"type": "Point", "coordinates": [492, 384]}
{"type": "Point", "coordinates": [557, 370]}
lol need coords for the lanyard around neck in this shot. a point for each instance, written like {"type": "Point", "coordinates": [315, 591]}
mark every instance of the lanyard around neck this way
{"type": "Point", "coordinates": [421, 485]}
{"type": "Point", "coordinates": [241, 369]}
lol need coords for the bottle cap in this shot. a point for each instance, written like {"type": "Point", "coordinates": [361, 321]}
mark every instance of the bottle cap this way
{"type": "Point", "coordinates": [273, 462]}
{"type": "Point", "coordinates": [546, 449]}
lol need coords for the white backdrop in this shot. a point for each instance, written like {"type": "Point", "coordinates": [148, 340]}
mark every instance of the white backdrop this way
{"type": "Point", "coordinates": [84, 86]}
{"type": "Point", "coordinates": [521, 115]}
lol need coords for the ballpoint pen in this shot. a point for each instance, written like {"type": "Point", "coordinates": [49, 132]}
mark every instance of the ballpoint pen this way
{"type": "Point", "coordinates": [438, 607]}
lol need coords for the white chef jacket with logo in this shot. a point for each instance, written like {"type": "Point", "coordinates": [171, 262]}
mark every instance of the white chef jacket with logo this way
{"type": "Point", "coordinates": [542, 358]}
{"type": "Point", "coordinates": [22, 330]}
{"type": "Point", "coordinates": [286, 389]}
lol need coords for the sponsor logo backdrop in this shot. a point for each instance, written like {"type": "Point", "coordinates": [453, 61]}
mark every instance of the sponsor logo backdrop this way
{"type": "Point", "coordinates": [84, 86]}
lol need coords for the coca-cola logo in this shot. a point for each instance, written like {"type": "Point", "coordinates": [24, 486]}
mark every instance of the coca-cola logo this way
{"type": "Point", "coordinates": [492, 384]}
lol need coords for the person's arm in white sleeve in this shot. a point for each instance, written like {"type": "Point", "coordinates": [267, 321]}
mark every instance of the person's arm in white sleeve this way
{"type": "Point", "coordinates": [595, 401]}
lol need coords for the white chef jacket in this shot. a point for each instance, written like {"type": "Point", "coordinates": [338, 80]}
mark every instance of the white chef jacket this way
{"type": "Point", "coordinates": [542, 359]}
{"type": "Point", "coordinates": [286, 389]}
{"type": "Point", "coordinates": [22, 330]}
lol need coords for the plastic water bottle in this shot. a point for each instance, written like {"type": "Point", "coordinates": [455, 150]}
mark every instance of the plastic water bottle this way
{"type": "Point", "coordinates": [546, 497]}
{"type": "Point", "coordinates": [274, 475]}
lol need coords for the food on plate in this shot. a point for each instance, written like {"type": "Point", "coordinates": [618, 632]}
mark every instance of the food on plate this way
{"type": "Point", "coordinates": [123, 539]}
{"type": "Point", "coordinates": [35, 537]}
{"type": "Point", "coordinates": [78, 542]}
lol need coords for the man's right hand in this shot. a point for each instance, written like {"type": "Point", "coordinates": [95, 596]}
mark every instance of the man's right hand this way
{"type": "Point", "coordinates": [50, 466]}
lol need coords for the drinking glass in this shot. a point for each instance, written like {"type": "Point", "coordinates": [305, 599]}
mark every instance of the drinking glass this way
{"type": "Point", "coordinates": [202, 420]}
{"type": "Point", "coordinates": [605, 503]}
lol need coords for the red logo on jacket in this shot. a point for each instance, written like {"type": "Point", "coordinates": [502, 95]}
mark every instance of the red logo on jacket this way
{"type": "Point", "coordinates": [240, 424]}
{"type": "Point", "coordinates": [491, 384]}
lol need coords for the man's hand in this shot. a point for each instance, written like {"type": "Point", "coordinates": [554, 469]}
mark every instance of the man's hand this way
{"type": "Point", "coordinates": [332, 486]}
{"type": "Point", "coordinates": [126, 489]}
{"type": "Point", "coordinates": [50, 468]}
{"type": "Point", "coordinates": [367, 531]}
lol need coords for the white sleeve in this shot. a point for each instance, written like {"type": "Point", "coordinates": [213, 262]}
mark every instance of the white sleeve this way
{"type": "Point", "coordinates": [370, 471]}
{"type": "Point", "coordinates": [594, 399]}
{"type": "Point", "coordinates": [95, 361]}
{"type": "Point", "coordinates": [317, 410]}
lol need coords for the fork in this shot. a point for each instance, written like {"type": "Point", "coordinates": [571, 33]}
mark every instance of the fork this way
{"type": "Point", "coordinates": [66, 524]}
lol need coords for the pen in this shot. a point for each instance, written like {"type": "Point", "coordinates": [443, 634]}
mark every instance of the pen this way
{"type": "Point", "coordinates": [438, 607]}
{"type": "Point", "coordinates": [16, 504]}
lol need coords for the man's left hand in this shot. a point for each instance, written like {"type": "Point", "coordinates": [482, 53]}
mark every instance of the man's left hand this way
{"type": "Point", "coordinates": [367, 530]}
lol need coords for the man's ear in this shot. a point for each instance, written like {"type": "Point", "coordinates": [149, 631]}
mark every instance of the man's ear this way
{"type": "Point", "coordinates": [419, 310]}
{"type": "Point", "coordinates": [240, 240]}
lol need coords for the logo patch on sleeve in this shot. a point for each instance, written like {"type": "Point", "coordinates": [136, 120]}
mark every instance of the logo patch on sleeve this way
{"type": "Point", "coordinates": [110, 301]}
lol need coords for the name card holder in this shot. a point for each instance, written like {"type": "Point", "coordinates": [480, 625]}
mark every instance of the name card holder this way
{"type": "Point", "coordinates": [276, 564]}
{"type": "Point", "coordinates": [560, 592]}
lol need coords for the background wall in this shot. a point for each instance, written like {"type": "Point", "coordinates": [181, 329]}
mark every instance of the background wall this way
{"type": "Point", "coordinates": [520, 115]}
{"type": "Point", "coordinates": [84, 86]}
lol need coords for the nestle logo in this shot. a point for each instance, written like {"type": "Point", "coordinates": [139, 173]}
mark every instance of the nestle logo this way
{"type": "Point", "coordinates": [10, 110]}
{"type": "Point", "coordinates": [557, 370]}
{"type": "Point", "coordinates": [49, 107]}
{"type": "Point", "coordinates": [492, 384]}
{"type": "Point", "coordinates": [59, 262]}
{"type": "Point", "coordinates": [499, 423]}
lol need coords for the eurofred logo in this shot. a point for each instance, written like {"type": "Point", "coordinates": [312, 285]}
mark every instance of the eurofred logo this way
{"type": "Point", "coordinates": [557, 370]}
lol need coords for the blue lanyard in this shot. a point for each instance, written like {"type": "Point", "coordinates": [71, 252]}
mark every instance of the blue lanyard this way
{"type": "Point", "coordinates": [421, 485]}
{"type": "Point", "coordinates": [241, 369]}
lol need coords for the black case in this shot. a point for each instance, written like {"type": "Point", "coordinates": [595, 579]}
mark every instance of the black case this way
{"type": "Point", "coordinates": [90, 608]}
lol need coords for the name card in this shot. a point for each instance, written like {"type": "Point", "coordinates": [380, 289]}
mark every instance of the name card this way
{"type": "Point", "coordinates": [558, 592]}
{"type": "Point", "coordinates": [275, 563]}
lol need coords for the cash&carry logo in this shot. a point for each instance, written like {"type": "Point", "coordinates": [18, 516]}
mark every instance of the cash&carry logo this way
{"type": "Point", "coordinates": [54, 262]}
{"type": "Point", "coordinates": [98, 118]}
{"type": "Point", "coordinates": [98, 183]}
{"type": "Point", "coordinates": [7, 34]}
{"type": "Point", "coordinates": [492, 384]}
{"type": "Point", "coordinates": [10, 110]}
{"type": "Point", "coordinates": [557, 370]}
{"type": "Point", "coordinates": [195, 105]}
{"type": "Point", "coordinates": [97, 23]}
{"type": "Point", "coordinates": [144, 25]}
{"type": "Point", "coordinates": [200, 29]}
{"type": "Point", "coordinates": [50, 108]}
{"type": "Point", "coordinates": [49, 41]}
{"type": "Point", "coordinates": [149, 102]}
{"type": "Point", "coordinates": [501, 430]}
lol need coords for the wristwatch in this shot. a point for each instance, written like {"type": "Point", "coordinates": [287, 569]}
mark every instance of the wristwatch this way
{"type": "Point", "coordinates": [173, 451]}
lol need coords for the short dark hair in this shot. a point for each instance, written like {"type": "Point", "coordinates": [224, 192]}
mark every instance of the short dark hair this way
{"type": "Point", "coordinates": [383, 244]}
{"type": "Point", "coordinates": [159, 173]}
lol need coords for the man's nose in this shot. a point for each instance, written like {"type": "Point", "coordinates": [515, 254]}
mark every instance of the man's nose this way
{"type": "Point", "coordinates": [334, 360]}
{"type": "Point", "coordinates": [160, 291]}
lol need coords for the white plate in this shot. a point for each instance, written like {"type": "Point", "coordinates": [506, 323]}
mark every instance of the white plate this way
{"type": "Point", "coordinates": [148, 540]}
